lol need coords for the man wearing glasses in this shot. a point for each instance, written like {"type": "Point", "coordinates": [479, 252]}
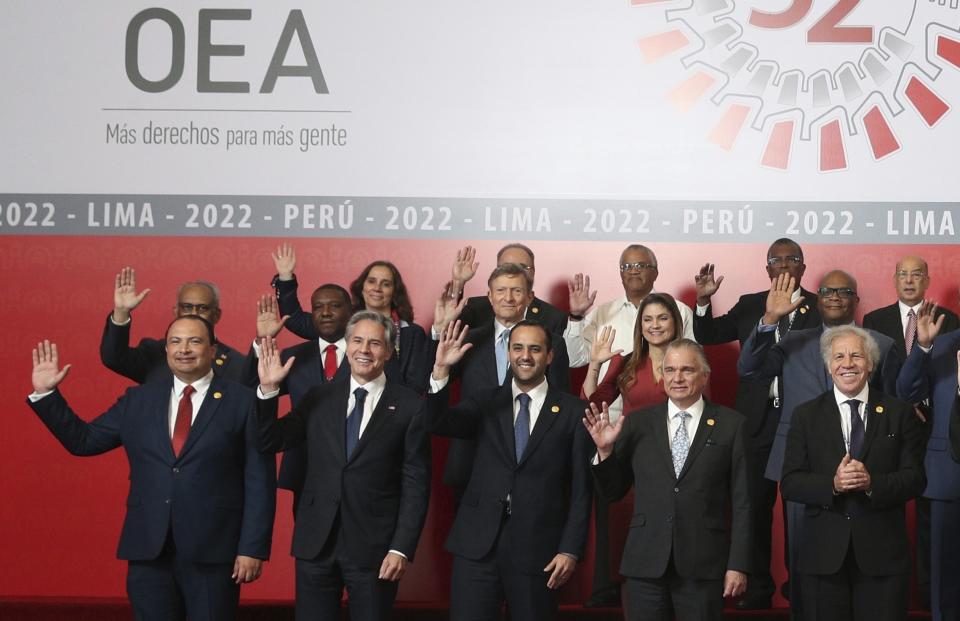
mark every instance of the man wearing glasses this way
{"type": "Point", "coordinates": [638, 273]}
{"type": "Point", "coordinates": [796, 361]}
{"type": "Point", "coordinates": [758, 400]}
{"type": "Point", "coordinates": [911, 278]}
{"type": "Point", "coordinates": [147, 361]}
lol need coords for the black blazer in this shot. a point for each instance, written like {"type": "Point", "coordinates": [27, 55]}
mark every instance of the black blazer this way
{"type": "Point", "coordinates": [411, 367]}
{"type": "Point", "coordinates": [874, 525]}
{"type": "Point", "coordinates": [479, 312]}
{"type": "Point", "coordinates": [550, 489]}
{"type": "Point", "coordinates": [737, 325]}
{"type": "Point", "coordinates": [887, 321]}
{"type": "Point", "coordinates": [147, 362]}
{"type": "Point", "coordinates": [217, 498]}
{"type": "Point", "coordinates": [381, 493]}
{"type": "Point", "coordinates": [681, 517]}
{"type": "Point", "coordinates": [478, 376]}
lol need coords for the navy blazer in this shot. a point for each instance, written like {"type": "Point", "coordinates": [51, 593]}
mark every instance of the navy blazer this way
{"type": "Point", "coordinates": [380, 494]}
{"type": "Point", "coordinates": [217, 498]}
{"type": "Point", "coordinates": [796, 358]}
{"type": "Point", "coordinates": [550, 489]}
{"type": "Point", "coordinates": [893, 455]}
{"type": "Point", "coordinates": [147, 362]}
{"type": "Point", "coordinates": [683, 517]}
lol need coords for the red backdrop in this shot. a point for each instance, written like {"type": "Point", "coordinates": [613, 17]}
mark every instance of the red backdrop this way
{"type": "Point", "coordinates": [61, 515]}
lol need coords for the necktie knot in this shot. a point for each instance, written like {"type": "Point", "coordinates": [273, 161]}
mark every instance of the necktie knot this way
{"type": "Point", "coordinates": [188, 390]}
{"type": "Point", "coordinates": [360, 394]}
{"type": "Point", "coordinates": [524, 400]}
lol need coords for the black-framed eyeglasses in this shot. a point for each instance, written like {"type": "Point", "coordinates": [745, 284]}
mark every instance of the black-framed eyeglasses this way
{"type": "Point", "coordinates": [638, 266]}
{"type": "Point", "coordinates": [915, 274]}
{"type": "Point", "coordinates": [787, 260]}
{"type": "Point", "coordinates": [840, 292]}
{"type": "Point", "coordinates": [193, 309]}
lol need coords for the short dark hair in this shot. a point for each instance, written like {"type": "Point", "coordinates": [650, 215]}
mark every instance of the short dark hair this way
{"type": "Point", "coordinates": [206, 324]}
{"type": "Point", "coordinates": [529, 323]}
{"type": "Point", "coordinates": [510, 269]}
{"type": "Point", "coordinates": [335, 287]}
{"type": "Point", "coordinates": [516, 246]}
{"type": "Point", "coordinates": [786, 241]}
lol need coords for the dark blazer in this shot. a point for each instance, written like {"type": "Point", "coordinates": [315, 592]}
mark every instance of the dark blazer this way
{"type": "Point", "coordinates": [411, 367]}
{"type": "Point", "coordinates": [478, 376]}
{"type": "Point", "coordinates": [307, 372]}
{"type": "Point", "coordinates": [147, 362]}
{"type": "Point", "coordinates": [875, 526]}
{"type": "Point", "coordinates": [887, 321]}
{"type": "Point", "coordinates": [217, 498]}
{"type": "Point", "coordinates": [550, 489]}
{"type": "Point", "coordinates": [681, 517]}
{"type": "Point", "coordinates": [797, 359]}
{"type": "Point", "coordinates": [933, 376]}
{"type": "Point", "coordinates": [737, 325]}
{"type": "Point", "coordinates": [380, 494]}
{"type": "Point", "coordinates": [479, 312]}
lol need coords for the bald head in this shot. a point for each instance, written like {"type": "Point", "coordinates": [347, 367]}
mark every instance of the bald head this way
{"type": "Point", "coordinates": [911, 279]}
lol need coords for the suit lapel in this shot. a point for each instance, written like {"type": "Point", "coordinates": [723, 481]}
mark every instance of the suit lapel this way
{"type": "Point", "coordinates": [895, 328]}
{"type": "Point", "coordinates": [705, 429]}
{"type": "Point", "coordinates": [659, 423]}
{"type": "Point", "coordinates": [161, 416]}
{"type": "Point", "coordinates": [830, 423]}
{"type": "Point", "coordinates": [547, 417]}
{"type": "Point", "coordinates": [503, 406]}
{"type": "Point", "coordinates": [208, 409]}
{"type": "Point", "coordinates": [874, 419]}
{"type": "Point", "coordinates": [386, 407]}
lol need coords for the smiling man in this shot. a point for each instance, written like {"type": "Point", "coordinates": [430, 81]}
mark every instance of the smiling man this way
{"type": "Point", "coordinates": [522, 523]}
{"type": "Point", "coordinates": [854, 457]}
{"type": "Point", "coordinates": [367, 480]}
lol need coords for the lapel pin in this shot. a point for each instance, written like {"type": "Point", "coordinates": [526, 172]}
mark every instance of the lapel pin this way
{"type": "Point", "coordinates": [217, 395]}
{"type": "Point", "coordinates": [220, 362]}
{"type": "Point", "coordinates": [534, 310]}
{"type": "Point", "coordinates": [803, 310]}
{"type": "Point", "coordinates": [555, 409]}
{"type": "Point", "coordinates": [879, 409]}
{"type": "Point", "coordinates": [711, 422]}
{"type": "Point", "coordinates": [391, 408]}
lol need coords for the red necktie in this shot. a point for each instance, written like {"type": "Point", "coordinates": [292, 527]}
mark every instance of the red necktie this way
{"type": "Point", "coordinates": [330, 361]}
{"type": "Point", "coordinates": [181, 428]}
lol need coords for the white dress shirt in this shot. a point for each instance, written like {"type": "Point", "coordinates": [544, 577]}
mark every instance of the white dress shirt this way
{"type": "Point", "coordinates": [374, 390]}
{"type": "Point", "coordinates": [196, 399]}
{"type": "Point", "coordinates": [696, 413]}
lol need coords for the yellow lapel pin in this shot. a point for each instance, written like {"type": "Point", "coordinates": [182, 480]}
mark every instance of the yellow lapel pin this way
{"type": "Point", "coordinates": [217, 395]}
{"type": "Point", "coordinates": [879, 409]}
{"type": "Point", "coordinates": [555, 409]}
{"type": "Point", "coordinates": [534, 310]}
{"type": "Point", "coordinates": [220, 362]}
{"type": "Point", "coordinates": [803, 310]}
{"type": "Point", "coordinates": [711, 422]}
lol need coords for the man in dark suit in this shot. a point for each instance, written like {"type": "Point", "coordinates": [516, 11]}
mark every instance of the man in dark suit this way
{"type": "Point", "coordinates": [200, 511]}
{"type": "Point", "coordinates": [147, 361]}
{"type": "Point", "coordinates": [486, 366]}
{"type": "Point", "coordinates": [930, 372]}
{"type": "Point", "coordinates": [368, 475]}
{"type": "Point", "coordinates": [478, 310]}
{"type": "Point", "coordinates": [522, 523]}
{"type": "Point", "coordinates": [899, 321]}
{"type": "Point", "coordinates": [685, 459]}
{"type": "Point", "coordinates": [316, 362]}
{"type": "Point", "coordinates": [796, 361]}
{"type": "Point", "coordinates": [854, 458]}
{"type": "Point", "coordinates": [758, 400]}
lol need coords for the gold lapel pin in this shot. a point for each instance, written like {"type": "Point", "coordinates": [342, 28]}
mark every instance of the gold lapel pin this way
{"type": "Point", "coordinates": [711, 422]}
{"type": "Point", "coordinates": [803, 310]}
{"type": "Point", "coordinates": [217, 395]}
{"type": "Point", "coordinates": [879, 409]}
{"type": "Point", "coordinates": [220, 362]}
{"type": "Point", "coordinates": [534, 310]}
{"type": "Point", "coordinates": [555, 409]}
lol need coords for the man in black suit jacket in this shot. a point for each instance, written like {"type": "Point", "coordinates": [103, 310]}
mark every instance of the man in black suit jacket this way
{"type": "Point", "coordinates": [760, 400]}
{"type": "Point", "coordinates": [147, 361]}
{"type": "Point", "coordinates": [854, 458]}
{"type": "Point", "coordinates": [680, 555]}
{"type": "Point", "coordinates": [367, 485]}
{"type": "Point", "coordinates": [479, 311]}
{"type": "Point", "coordinates": [911, 279]}
{"type": "Point", "coordinates": [200, 512]}
{"type": "Point", "coordinates": [483, 369]}
{"type": "Point", "coordinates": [522, 523]}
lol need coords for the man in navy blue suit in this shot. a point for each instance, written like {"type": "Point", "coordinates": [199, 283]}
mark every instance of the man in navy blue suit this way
{"type": "Point", "coordinates": [200, 512]}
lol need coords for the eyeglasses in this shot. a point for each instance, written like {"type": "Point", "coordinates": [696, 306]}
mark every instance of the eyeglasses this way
{"type": "Point", "coordinates": [840, 292]}
{"type": "Point", "coordinates": [788, 260]}
{"type": "Point", "coordinates": [639, 266]}
{"type": "Point", "coordinates": [194, 309]}
{"type": "Point", "coordinates": [915, 274]}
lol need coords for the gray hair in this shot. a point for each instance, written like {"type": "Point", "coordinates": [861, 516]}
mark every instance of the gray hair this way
{"type": "Point", "coordinates": [693, 346]}
{"type": "Point", "coordinates": [639, 248]}
{"type": "Point", "coordinates": [369, 315]}
{"type": "Point", "coordinates": [214, 290]}
{"type": "Point", "coordinates": [510, 269]}
{"type": "Point", "coordinates": [832, 334]}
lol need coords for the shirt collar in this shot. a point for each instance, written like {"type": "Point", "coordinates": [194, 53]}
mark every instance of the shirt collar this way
{"type": "Point", "coordinates": [842, 399]}
{"type": "Point", "coordinates": [199, 385]}
{"type": "Point", "coordinates": [498, 329]}
{"type": "Point", "coordinates": [797, 293]}
{"type": "Point", "coordinates": [537, 393]}
{"type": "Point", "coordinates": [695, 410]}
{"type": "Point", "coordinates": [341, 343]}
{"type": "Point", "coordinates": [904, 309]}
{"type": "Point", "coordinates": [373, 387]}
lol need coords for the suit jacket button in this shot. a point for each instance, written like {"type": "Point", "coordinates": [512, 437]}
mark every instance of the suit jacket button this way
{"type": "Point", "coordinates": [167, 501]}
{"type": "Point", "coordinates": [176, 470]}
{"type": "Point", "coordinates": [676, 489]}
{"type": "Point", "coordinates": [669, 518]}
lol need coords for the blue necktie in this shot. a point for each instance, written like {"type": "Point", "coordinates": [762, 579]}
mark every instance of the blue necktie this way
{"type": "Point", "coordinates": [521, 428]}
{"type": "Point", "coordinates": [856, 429]}
{"type": "Point", "coordinates": [681, 443]}
{"type": "Point", "coordinates": [354, 419]}
{"type": "Point", "coordinates": [502, 360]}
